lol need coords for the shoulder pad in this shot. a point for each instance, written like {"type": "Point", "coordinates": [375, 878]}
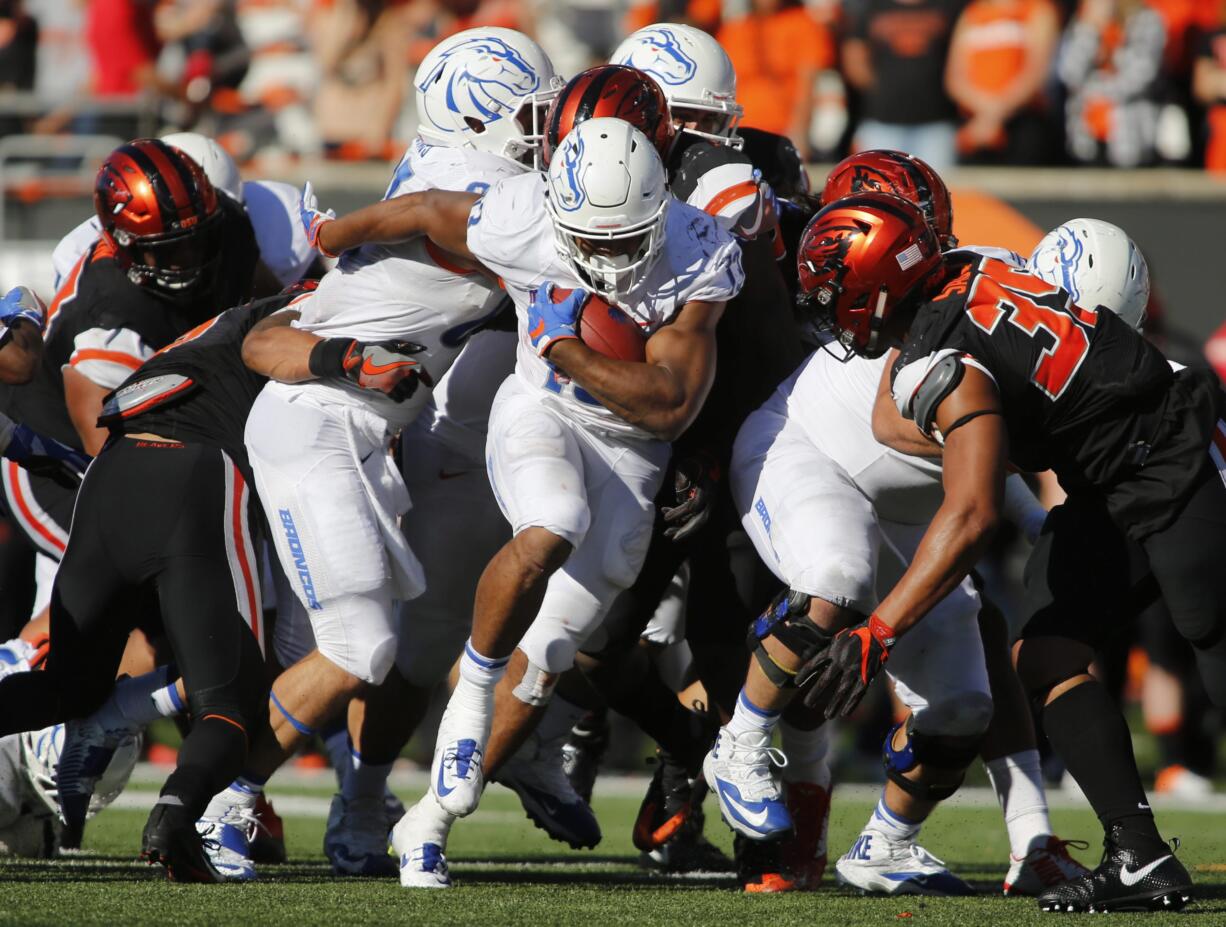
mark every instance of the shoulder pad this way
{"type": "Point", "coordinates": [921, 385]}
{"type": "Point", "coordinates": [699, 160]}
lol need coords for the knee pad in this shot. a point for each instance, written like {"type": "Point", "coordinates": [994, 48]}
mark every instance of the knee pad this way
{"type": "Point", "coordinates": [936, 752]}
{"type": "Point", "coordinates": [967, 715]}
{"type": "Point", "coordinates": [536, 688]}
{"type": "Point", "coordinates": [787, 620]}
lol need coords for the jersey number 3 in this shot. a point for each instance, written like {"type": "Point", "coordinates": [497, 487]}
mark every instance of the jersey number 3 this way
{"type": "Point", "coordinates": [1042, 311]}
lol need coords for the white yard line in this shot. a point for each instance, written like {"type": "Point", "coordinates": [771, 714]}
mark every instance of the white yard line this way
{"type": "Point", "coordinates": [408, 782]}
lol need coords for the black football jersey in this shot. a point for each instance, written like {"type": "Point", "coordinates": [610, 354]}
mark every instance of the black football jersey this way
{"type": "Point", "coordinates": [105, 326]}
{"type": "Point", "coordinates": [1083, 393]}
{"type": "Point", "coordinates": [198, 389]}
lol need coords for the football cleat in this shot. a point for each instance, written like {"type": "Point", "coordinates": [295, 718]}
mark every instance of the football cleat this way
{"type": "Point", "coordinates": [1048, 863]}
{"type": "Point", "coordinates": [804, 853]}
{"type": "Point", "coordinates": [355, 841]}
{"type": "Point", "coordinates": [89, 745]}
{"type": "Point", "coordinates": [225, 829]}
{"type": "Point", "coordinates": [738, 770]}
{"type": "Point", "coordinates": [877, 865]}
{"type": "Point", "coordinates": [170, 840]}
{"type": "Point", "coordinates": [418, 840]}
{"type": "Point", "coordinates": [759, 866]}
{"type": "Point", "coordinates": [456, 776]}
{"type": "Point", "coordinates": [268, 840]}
{"type": "Point", "coordinates": [1125, 880]}
{"type": "Point", "coordinates": [688, 850]}
{"type": "Point", "coordinates": [583, 750]}
{"type": "Point", "coordinates": [535, 774]}
{"type": "Point", "coordinates": [671, 797]}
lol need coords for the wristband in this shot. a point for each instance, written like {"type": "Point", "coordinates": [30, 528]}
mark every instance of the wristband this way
{"type": "Point", "coordinates": [328, 358]}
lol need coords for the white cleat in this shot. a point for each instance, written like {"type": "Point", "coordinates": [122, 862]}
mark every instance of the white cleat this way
{"type": "Point", "coordinates": [739, 770]}
{"type": "Point", "coordinates": [419, 839]}
{"type": "Point", "coordinates": [877, 865]}
{"type": "Point", "coordinates": [355, 842]}
{"type": "Point", "coordinates": [1048, 863]}
{"type": "Point", "coordinates": [225, 829]}
{"type": "Point", "coordinates": [456, 776]}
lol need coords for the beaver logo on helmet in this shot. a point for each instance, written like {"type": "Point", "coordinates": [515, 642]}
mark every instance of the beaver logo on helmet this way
{"type": "Point", "coordinates": [826, 258]}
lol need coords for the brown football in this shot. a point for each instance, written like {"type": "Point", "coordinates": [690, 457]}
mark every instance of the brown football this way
{"type": "Point", "coordinates": [607, 330]}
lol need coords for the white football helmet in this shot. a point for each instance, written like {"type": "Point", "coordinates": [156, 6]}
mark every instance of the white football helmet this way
{"type": "Point", "coordinates": [608, 199]}
{"type": "Point", "coordinates": [1098, 264]}
{"type": "Point", "coordinates": [694, 72]}
{"type": "Point", "coordinates": [486, 89]}
{"type": "Point", "coordinates": [214, 160]}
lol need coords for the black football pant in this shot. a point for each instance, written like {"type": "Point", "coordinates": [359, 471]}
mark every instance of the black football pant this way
{"type": "Point", "coordinates": [159, 528]}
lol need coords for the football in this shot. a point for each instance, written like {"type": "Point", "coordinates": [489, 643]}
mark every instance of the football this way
{"type": "Point", "coordinates": [607, 330]}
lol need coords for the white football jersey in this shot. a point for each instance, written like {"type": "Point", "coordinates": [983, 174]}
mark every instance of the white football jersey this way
{"type": "Point", "coordinates": [408, 291]}
{"type": "Point", "coordinates": [70, 248]}
{"type": "Point", "coordinates": [832, 402]}
{"type": "Point", "coordinates": [511, 233]}
{"type": "Point", "coordinates": [458, 413]}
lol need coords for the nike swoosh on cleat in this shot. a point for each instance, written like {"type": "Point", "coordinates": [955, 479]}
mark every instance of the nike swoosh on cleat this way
{"type": "Point", "coordinates": [1132, 878]}
{"type": "Point", "coordinates": [442, 789]}
{"type": "Point", "coordinates": [753, 818]}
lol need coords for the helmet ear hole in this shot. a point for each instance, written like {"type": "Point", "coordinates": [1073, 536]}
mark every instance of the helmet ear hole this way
{"type": "Point", "coordinates": [476, 125]}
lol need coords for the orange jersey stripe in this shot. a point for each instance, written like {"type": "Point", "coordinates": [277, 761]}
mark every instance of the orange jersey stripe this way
{"type": "Point", "coordinates": [115, 357]}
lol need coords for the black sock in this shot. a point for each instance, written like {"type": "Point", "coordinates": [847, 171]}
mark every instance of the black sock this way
{"type": "Point", "coordinates": [685, 735]}
{"type": "Point", "coordinates": [1170, 747]}
{"type": "Point", "coordinates": [1086, 729]}
{"type": "Point", "coordinates": [211, 757]}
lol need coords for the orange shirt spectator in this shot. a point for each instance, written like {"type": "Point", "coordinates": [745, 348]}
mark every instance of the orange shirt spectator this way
{"type": "Point", "coordinates": [1209, 89]}
{"type": "Point", "coordinates": [705, 14]}
{"type": "Point", "coordinates": [123, 44]}
{"type": "Point", "coordinates": [999, 58]}
{"type": "Point", "coordinates": [777, 51]}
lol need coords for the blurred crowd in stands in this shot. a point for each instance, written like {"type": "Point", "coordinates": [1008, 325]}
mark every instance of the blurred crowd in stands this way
{"type": "Point", "coordinates": [1109, 82]}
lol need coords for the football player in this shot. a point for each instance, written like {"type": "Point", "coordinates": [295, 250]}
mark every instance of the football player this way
{"type": "Point", "coordinates": [171, 251]}
{"type": "Point", "coordinates": [1001, 366]}
{"type": "Point", "coordinates": [320, 450]}
{"type": "Point", "coordinates": [590, 426]}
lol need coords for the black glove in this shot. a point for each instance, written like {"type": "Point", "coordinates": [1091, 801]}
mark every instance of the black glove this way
{"type": "Point", "coordinates": [847, 666]}
{"type": "Point", "coordinates": [387, 367]}
{"type": "Point", "coordinates": [694, 484]}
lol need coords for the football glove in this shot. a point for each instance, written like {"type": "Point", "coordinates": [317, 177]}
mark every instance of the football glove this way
{"type": "Point", "coordinates": [388, 367]}
{"type": "Point", "coordinates": [695, 480]}
{"type": "Point", "coordinates": [41, 455]}
{"type": "Point", "coordinates": [845, 668]}
{"type": "Point", "coordinates": [313, 218]}
{"type": "Point", "coordinates": [21, 303]}
{"type": "Point", "coordinates": [550, 322]}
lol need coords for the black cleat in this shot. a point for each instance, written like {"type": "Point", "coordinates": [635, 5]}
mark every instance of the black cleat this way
{"type": "Point", "coordinates": [671, 797]}
{"type": "Point", "coordinates": [170, 839]}
{"type": "Point", "coordinates": [583, 750]}
{"type": "Point", "coordinates": [688, 850]}
{"type": "Point", "coordinates": [759, 866]}
{"type": "Point", "coordinates": [1125, 880]}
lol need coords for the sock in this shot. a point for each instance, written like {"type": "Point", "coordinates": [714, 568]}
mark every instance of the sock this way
{"type": "Point", "coordinates": [430, 820]}
{"type": "Point", "coordinates": [209, 757]}
{"type": "Point", "coordinates": [1086, 729]}
{"type": "Point", "coordinates": [478, 677]}
{"type": "Point", "coordinates": [365, 779]}
{"type": "Point", "coordinates": [558, 719]}
{"type": "Point", "coordinates": [1017, 780]}
{"type": "Point", "coordinates": [245, 790]}
{"type": "Point", "coordinates": [165, 701]}
{"type": "Point", "coordinates": [684, 734]}
{"type": "Point", "coordinates": [337, 746]}
{"type": "Point", "coordinates": [806, 752]}
{"type": "Point", "coordinates": [893, 825]}
{"type": "Point", "coordinates": [749, 717]}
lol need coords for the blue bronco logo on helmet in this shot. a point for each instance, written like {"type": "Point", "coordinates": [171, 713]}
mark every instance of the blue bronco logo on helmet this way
{"type": "Point", "coordinates": [566, 188]}
{"type": "Point", "coordinates": [659, 53]}
{"type": "Point", "coordinates": [485, 80]}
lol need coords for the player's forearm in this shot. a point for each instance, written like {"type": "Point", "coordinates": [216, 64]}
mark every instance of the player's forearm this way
{"type": "Point", "coordinates": [953, 544]}
{"type": "Point", "coordinates": [648, 395]}
{"type": "Point", "coordinates": [21, 353]}
{"type": "Point", "coordinates": [278, 351]}
{"type": "Point", "coordinates": [385, 222]}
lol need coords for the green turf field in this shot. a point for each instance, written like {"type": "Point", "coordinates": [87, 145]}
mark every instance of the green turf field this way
{"type": "Point", "coordinates": [509, 873]}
